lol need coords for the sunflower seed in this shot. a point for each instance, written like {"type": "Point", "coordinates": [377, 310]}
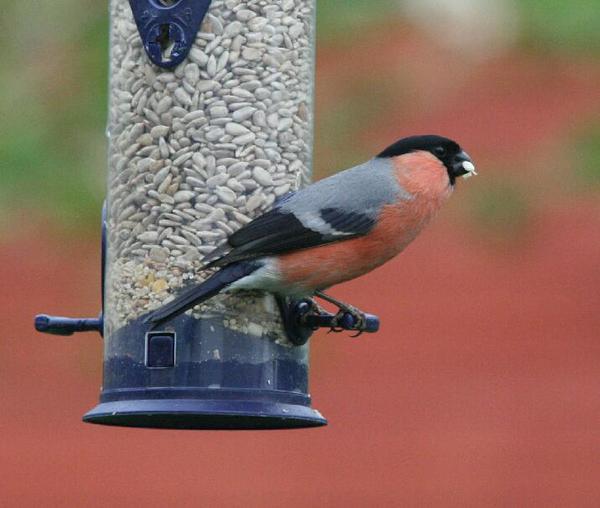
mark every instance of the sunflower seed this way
{"type": "Point", "coordinates": [199, 151]}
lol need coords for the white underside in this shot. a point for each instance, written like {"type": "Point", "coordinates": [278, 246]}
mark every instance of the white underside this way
{"type": "Point", "coordinates": [266, 278]}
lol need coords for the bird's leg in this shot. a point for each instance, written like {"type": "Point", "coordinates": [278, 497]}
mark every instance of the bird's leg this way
{"type": "Point", "coordinates": [316, 308]}
{"type": "Point", "coordinates": [343, 308]}
{"type": "Point", "coordinates": [340, 305]}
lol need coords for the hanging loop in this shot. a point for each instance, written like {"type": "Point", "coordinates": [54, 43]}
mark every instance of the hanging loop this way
{"type": "Point", "coordinates": [168, 28]}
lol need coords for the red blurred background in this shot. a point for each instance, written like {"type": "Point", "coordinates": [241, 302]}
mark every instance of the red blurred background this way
{"type": "Point", "coordinates": [482, 388]}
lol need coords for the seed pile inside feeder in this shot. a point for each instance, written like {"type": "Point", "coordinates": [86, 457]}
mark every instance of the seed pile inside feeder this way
{"type": "Point", "coordinates": [199, 151]}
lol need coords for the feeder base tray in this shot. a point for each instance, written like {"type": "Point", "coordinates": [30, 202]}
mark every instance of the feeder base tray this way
{"type": "Point", "coordinates": [204, 414]}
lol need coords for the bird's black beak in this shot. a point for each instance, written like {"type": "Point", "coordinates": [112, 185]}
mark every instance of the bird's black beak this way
{"type": "Point", "coordinates": [462, 165]}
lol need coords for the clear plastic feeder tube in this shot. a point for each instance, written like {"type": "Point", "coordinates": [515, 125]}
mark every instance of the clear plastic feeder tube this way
{"type": "Point", "coordinates": [196, 152]}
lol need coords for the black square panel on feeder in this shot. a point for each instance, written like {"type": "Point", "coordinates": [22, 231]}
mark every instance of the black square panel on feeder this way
{"type": "Point", "coordinates": [160, 350]}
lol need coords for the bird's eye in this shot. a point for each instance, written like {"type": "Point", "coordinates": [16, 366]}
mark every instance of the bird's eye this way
{"type": "Point", "coordinates": [440, 151]}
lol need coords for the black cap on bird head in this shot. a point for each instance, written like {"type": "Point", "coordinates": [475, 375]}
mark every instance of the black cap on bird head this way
{"type": "Point", "coordinates": [457, 161]}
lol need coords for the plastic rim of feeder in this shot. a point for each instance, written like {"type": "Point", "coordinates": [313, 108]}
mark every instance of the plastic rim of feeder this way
{"type": "Point", "coordinates": [205, 414]}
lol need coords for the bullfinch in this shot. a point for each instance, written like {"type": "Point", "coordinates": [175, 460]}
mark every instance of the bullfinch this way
{"type": "Point", "coordinates": [336, 229]}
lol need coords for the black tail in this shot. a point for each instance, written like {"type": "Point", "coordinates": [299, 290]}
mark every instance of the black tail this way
{"type": "Point", "coordinates": [198, 293]}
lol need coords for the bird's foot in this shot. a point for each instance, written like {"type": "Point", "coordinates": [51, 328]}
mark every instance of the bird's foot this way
{"type": "Point", "coordinates": [302, 317]}
{"type": "Point", "coordinates": [349, 318]}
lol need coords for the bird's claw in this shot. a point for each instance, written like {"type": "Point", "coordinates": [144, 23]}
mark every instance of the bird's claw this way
{"type": "Point", "coordinates": [348, 313]}
{"type": "Point", "coordinates": [335, 324]}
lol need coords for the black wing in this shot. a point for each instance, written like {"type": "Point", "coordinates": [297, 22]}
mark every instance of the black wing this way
{"type": "Point", "coordinates": [280, 231]}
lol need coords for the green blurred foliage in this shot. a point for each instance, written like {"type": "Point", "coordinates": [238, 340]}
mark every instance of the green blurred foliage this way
{"type": "Point", "coordinates": [356, 111]}
{"type": "Point", "coordinates": [561, 26]}
{"type": "Point", "coordinates": [53, 110]}
{"type": "Point", "coordinates": [54, 96]}
{"type": "Point", "coordinates": [587, 157]}
{"type": "Point", "coordinates": [500, 209]}
{"type": "Point", "coordinates": [343, 19]}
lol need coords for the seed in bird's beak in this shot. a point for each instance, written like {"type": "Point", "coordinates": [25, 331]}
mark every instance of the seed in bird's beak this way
{"type": "Point", "coordinates": [469, 167]}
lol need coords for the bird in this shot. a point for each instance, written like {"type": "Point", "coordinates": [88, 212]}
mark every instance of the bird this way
{"type": "Point", "coordinates": [336, 229]}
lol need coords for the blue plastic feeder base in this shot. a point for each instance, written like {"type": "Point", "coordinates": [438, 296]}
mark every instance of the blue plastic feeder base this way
{"type": "Point", "coordinates": [197, 374]}
{"type": "Point", "coordinates": [205, 414]}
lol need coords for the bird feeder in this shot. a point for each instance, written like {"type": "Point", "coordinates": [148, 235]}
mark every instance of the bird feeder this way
{"type": "Point", "coordinates": [210, 123]}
